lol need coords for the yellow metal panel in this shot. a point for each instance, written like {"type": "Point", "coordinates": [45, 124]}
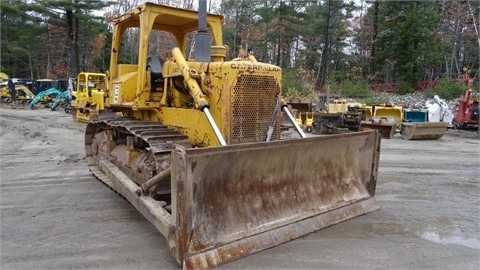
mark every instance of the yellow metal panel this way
{"type": "Point", "coordinates": [384, 111]}
{"type": "Point", "coordinates": [124, 69]}
{"type": "Point", "coordinates": [338, 106]}
{"type": "Point", "coordinates": [123, 89]}
{"type": "Point", "coordinates": [98, 99]}
{"type": "Point", "coordinates": [192, 123]}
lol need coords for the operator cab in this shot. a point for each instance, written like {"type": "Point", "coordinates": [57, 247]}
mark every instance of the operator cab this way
{"type": "Point", "coordinates": [155, 66]}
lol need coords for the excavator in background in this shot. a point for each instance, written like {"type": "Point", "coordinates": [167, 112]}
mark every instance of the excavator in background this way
{"type": "Point", "coordinates": [88, 95]}
{"type": "Point", "coordinates": [195, 144]}
{"type": "Point", "coordinates": [45, 84]}
{"type": "Point", "coordinates": [54, 96]}
{"type": "Point", "coordinates": [45, 96]}
{"type": "Point", "coordinates": [42, 85]}
{"type": "Point", "coordinates": [23, 93]}
{"type": "Point", "coordinates": [3, 77]}
{"type": "Point", "coordinates": [62, 100]}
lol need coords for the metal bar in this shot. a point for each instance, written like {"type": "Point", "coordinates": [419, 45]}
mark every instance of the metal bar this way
{"type": "Point", "coordinates": [156, 179]}
{"type": "Point", "coordinates": [151, 209]}
{"type": "Point", "coordinates": [214, 126]}
{"type": "Point", "coordinates": [297, 127]}
{"type": "Point", "coordinates": [193, 87]}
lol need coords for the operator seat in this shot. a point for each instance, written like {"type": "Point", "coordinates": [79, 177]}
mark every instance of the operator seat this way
{"type": "Point", "coordinates": [155, 66]}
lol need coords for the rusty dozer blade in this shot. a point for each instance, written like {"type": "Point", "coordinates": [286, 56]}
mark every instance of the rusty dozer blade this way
{"type": "Point", "coordinates": [232, 201]}
{"type": "Point", "coordinates": [386, 130]}
{"type": "Point", "coordinates": [423, 130]}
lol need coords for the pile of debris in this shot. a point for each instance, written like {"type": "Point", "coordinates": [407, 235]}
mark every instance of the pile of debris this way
{"type": "Point", "coordinates": [410, 100]}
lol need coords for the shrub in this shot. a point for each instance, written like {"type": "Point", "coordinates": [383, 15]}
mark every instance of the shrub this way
{"type": "Point", "coordinates": [357, 89]}
{"type": "Point", "coordinates": [404, 88]}
{"type": "Point", "coordinates": [448, 89]}
{"type": "Point", "coordinates": [351, 89]}
{"type": "Point", "coordinates": [298, 84]}
{"type": "Point", "coordinates": [376, 100]}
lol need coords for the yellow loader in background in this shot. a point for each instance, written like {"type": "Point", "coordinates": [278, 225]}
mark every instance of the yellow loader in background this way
{"type": "Point", "coordinates": [88, 95]}
{"type": "Point", "coordinates": [198, 149]}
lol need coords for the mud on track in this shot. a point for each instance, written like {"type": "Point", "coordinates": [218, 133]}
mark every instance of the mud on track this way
{"type": "Point", "coordinates": [56, 215]}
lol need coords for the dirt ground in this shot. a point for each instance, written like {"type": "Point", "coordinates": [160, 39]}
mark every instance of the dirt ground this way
{"type": "Point", "coordinates": [56, 215]}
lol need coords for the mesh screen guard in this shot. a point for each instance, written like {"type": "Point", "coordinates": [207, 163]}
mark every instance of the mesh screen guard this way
{"type": "Point", "coordinates": [254, 102]}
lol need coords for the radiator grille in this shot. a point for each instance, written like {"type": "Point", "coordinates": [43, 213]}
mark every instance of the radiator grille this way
{"type": "Point", "coordinates": [254, 101]}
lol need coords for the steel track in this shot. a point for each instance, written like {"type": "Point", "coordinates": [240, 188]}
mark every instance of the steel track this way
{"type": "Point", "coordinates": [158, 138]}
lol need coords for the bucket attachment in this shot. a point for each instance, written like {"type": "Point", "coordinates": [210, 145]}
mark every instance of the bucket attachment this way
{"type": "Point", "coordinates": [392, 111]}
{"type": "Point", "coordinates": [415, 115]}
{"type": "Point", "coordinates": [232, 201]}
{"type": "Point", "coordinates": [386, 128]}
{"type": "Point", "coordinates": [423, 130]}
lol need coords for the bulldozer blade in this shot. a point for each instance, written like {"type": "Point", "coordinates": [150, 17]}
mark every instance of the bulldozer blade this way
{"type": "Point", "coordinates": [386, 130]}
{"type": "Point", "coordinates": [423, 130]}
{"type": "Point", "coordinates": [85, 114]}
{"type": "Point", "coordinates": [232, 201]}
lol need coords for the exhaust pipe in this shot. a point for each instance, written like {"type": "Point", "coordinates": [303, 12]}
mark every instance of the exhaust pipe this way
{"type": "Point", "coordinates": [202, 38]}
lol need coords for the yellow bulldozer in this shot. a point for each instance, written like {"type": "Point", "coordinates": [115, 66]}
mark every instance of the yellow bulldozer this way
{"type": "Point", "coordinates": [88, 94]}
{"type": "Point", "coordinates": [195, 145]}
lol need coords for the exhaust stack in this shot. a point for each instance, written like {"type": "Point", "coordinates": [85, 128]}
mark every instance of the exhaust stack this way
{"type": "Point", "coordinates": [202, 37]}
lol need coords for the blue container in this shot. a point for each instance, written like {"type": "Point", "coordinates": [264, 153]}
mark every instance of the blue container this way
{"type": "Point", "coordinates": [415, 115]}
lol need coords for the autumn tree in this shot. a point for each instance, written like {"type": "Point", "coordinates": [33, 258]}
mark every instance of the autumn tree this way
{"type": "Point", "coordinates": [330, 40]}
{"type": "Point", "coordinates": [61, 38]}
{"type": "Point", "coordinates": [21, 40]}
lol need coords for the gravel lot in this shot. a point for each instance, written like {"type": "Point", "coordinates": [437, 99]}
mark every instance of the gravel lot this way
{"type": "Point", "coordinates": [56, 215]}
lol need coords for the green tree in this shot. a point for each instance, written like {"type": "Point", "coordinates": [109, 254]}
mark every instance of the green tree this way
{"type": "Point", "coordinates": [82, 28]}
{"type": "Point", "coordinates": [53, 39]}
{"type": "Point", "coordinates": [323, 37]}
{"type": "Point", "coordinates": [238, 30]}
{"type": "Point", "coordinates": [21, 40]}
{"type": "Point", "coordinates": [408, 43]}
